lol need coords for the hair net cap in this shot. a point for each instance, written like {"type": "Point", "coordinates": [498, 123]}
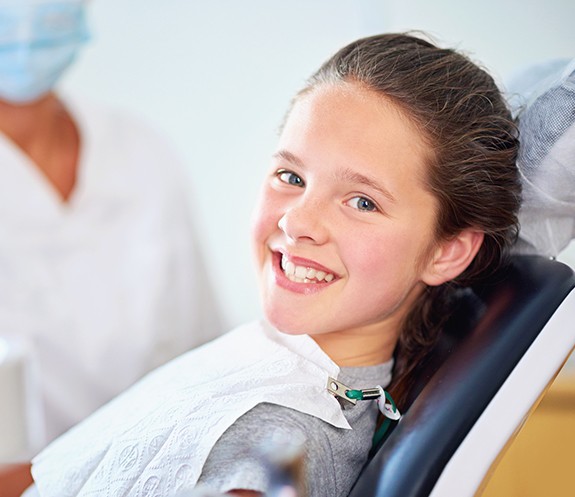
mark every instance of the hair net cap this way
{"type": "Point", "coordinates": [543, 98]}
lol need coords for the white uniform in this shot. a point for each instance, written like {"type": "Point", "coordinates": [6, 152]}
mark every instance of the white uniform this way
{"type": "Point", "coordinates": [110, 284]}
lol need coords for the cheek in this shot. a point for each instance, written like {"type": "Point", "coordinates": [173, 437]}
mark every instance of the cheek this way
{"type": "Point", "coordinates": [381, 258]}
{"type": "Point", "coordinates": [369, 251]}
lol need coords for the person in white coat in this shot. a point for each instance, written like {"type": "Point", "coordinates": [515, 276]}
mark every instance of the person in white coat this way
{"type": "Point", "coordinates": [99, 262]}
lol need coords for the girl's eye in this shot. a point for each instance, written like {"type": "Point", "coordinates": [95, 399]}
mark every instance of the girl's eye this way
{"type": "Point", "coordinates": [290, 178]}
{"type": "Point", "coordinates": [362, 204]}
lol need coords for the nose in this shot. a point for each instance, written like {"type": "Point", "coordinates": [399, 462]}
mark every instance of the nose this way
{"type": "Point", "coordinates": [305, 222]}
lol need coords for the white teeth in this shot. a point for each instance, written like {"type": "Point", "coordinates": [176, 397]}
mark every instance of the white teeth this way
{"type": "Point", "coordinates": [302, 274]}
{"type": "Point", "coordinates": [288, 266]}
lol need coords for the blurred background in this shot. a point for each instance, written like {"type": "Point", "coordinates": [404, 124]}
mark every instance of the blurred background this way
{"type": "Point", "coordinates": [215, 77]}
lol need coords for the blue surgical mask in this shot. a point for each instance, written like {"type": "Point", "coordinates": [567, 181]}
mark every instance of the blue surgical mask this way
{"type": "Point", "coordinates": [37, 44]}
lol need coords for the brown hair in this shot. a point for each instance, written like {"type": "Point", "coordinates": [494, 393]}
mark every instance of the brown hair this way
{"type": "Point", "coordinates": [462, 113]}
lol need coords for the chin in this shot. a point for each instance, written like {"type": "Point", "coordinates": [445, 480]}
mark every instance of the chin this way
{"type": "Point", "coordinates": [287, 325]}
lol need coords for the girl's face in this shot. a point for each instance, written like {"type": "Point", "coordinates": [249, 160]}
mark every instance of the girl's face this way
{"type": "Point", "coordinates": [344, 227]}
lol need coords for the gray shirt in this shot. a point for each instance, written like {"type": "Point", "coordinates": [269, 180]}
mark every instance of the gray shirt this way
{"type": "Point", "coordinates": [333, 456]}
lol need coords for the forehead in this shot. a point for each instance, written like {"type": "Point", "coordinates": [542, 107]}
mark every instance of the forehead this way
{"type": "Point", "coordinates": [350, 125]}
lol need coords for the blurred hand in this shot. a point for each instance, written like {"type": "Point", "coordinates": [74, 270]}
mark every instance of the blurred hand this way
{"type": "Point", "coordinates": [14, 479]}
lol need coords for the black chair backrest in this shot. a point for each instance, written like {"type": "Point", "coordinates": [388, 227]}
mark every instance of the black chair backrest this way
{"type": "Point", "coordinates": [498, 323]}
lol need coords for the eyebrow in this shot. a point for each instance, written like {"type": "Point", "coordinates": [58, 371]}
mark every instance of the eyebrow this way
{"type": "Point", "coordinates": [355, 177]}
{"type": "Point", "coordinates": [344, 175]}
{"type": "Point", "coordinates": [289, 157]}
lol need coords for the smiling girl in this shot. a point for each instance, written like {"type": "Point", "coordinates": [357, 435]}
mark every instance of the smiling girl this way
{"type": "Point", "coordinates": [393, 182]}
{"type": "Point", "coordinates": [347, 198]}
{"type": "Point", "coordinates": [395, 176]}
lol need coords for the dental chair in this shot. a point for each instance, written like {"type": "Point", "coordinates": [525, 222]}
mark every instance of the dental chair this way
{"type": "Point", "coordinates": [509, 337]}
{"type": "Point", "coordinates": [497, 356]}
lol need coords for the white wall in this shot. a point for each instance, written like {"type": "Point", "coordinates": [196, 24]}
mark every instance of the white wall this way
{"type": "Point", "coordinates": [215, 76]}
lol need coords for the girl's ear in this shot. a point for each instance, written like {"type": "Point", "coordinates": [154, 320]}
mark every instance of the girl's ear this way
{"type": "Point", "coordinates": [452, 257]}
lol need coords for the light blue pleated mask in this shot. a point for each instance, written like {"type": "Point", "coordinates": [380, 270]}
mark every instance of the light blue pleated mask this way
{"type": "Point", "coordinates": [38, 42]}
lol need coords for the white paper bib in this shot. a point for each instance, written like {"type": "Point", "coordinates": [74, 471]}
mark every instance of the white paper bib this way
{"type": "Point", "coordinates": [154, 439]}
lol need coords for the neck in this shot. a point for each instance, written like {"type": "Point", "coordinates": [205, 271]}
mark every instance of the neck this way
{"type": "Point", "coordinates": [351, 348]}
{"type": "Point", "coordinates": [45, 132]}
{"type": "Point", "coordinates": [27, 124]}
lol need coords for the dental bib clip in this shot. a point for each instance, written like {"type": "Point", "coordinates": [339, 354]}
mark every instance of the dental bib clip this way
{"type": "Point", "coordinates": [348, 397]}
